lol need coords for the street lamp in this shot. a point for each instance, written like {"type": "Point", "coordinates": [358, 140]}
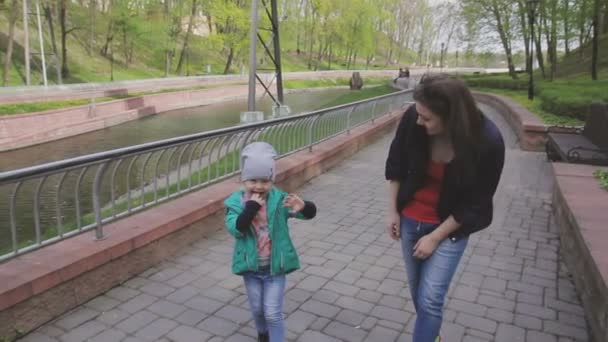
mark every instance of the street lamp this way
{"type": "Point", "coordinates": [531, 8]}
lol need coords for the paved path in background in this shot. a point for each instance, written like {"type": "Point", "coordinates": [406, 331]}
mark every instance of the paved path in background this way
{"type": "Point", "coordinates": [511, 284]}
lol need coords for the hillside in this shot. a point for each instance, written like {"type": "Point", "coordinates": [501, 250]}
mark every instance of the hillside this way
{"type": "Point", "coordinates": [578, 62]}
{"type": "Point", "coordinates": [148, 59]}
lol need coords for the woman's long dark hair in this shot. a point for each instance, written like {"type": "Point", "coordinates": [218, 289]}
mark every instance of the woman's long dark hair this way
{"type": "Point", "coordinates": [453, 102]}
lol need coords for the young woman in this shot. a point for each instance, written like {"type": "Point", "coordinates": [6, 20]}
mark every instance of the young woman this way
{"type": "Point", "coordinates": [443, 167]}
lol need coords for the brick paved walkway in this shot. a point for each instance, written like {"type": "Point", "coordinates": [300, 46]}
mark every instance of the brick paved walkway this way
{"type": "Point", "coordinates": [511, 285]}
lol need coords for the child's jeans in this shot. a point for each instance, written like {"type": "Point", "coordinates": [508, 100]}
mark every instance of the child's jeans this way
{"type": "Point", "coordinates": [428, 279]}
{"type": "Point", "coordinates": [265, 294]}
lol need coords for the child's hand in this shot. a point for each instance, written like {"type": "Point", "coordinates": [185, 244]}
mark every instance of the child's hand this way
{"type": "Point", "coordinates": [258, 199]}
{"type": "Point", "coordinates": [294, 202]}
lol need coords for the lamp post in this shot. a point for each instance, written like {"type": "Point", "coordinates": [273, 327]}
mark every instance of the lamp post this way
{"type": "Point", "coordinates": [531, 8]}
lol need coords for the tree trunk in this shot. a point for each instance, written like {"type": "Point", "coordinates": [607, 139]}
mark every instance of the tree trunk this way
{"type": "Point", "coordinates": [49, 18]}
{"type": "Point", "coordinates": [65, 72]}
{"type": "Point", "coordinates": [92, 17]}
{"type": "Point", "coordinates": [523, 21]}
{"type": "Point", "coordinates": [596, 33]}
{"type": "Point", "coordinates": [180, 62]}
{"type": "Point", "coordinates": [9, 48]}
{"type": "Point", "coordinates": [566, 26]}
{"type": "Point", "coordinates": [229, 61]}
{"type": "Point", "coordinates": [605, 21]}
{"type": "Point", "coordinates": [582, 20]}
{"type": "Point", "coordinates": [539, 51]}
{"type": "Point", "coordinates": [506, 42]}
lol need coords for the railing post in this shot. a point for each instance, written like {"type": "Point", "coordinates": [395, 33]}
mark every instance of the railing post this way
{"type": "Point", "coordinates": [374, 111]}
{"type": "Point", "coordinates": [96, 202]}
{"type": "Point", "coordinates": [310, 128]}
{"type": "Point", "coordinates": [348, 119]}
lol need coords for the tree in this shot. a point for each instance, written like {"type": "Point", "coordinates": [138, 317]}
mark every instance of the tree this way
{"type": "Point", "coordinates": [178, 70]}
{"type": "Point", "coordinates": [498, 15]}
{"type": "Point", "coordinates": [12, 18]}
{"type": "Point", "coordinates": [596, 33]}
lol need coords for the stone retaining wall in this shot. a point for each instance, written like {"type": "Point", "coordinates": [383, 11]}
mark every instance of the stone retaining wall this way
{"type": "Point", "coordinates": [580, 211]}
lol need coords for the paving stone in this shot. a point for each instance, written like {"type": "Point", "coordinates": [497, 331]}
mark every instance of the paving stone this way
{"type": "Point", "coordinates": [319, 324]}
{"type": "Point", "coordinates": [320, 309]}
{"type": "Point", "coordinates": [38, 337]}
{"type": "Point", "coordinates": [537, 336]}
{"type": "Point", "coordinates": [204, 304]}
{"type": "Point", "coordinates": [315, 336]}
{"type": "Point", "coordinates": [185, 333]}
{"type": "Point", "coordinates": [83, 332]}
{"type": "Point", "coordinates": [137, 303]}
{"type": "Point", "coordinates": [476, 322]}
{"type": "Point", "coordinates": [299, 321]}
{"type": "Point", "coordinates": [495, 302]}
{"type": "Point", "coordinates": [341, 288]}
{"type": "Point", "coordinates": [218, 326]}
{"type": "Point", "coordinates": [354, 304]}
{"type": "Point", "coordinates": [136, 321]}
{"type": "Point", "coordinates": [166, 309]}
{"type": "Point", "coordinates": [381, 334]}
{"type": "Point", "coordinates": [76, 318]}
{"type": "Point", "coordinates": [560, 329]}
{"type": "Point", "coordinates": [190, 317]}
{"type": "Point", "coordinates": [384, 312]}
{"type": "Point", "coordinates": [326, 296]}
{"type": "Point", "coordinates": [122, 293]}
{"type": "Point", "coordinates": [510, 333]}
{"type": "Point", "coordinates": [108, 335]}
{"type": "Point", "coordinates": [102, 303]}
{"type": "Point", "coordinates": [349, 317]}
{"type": "Point", "coordinates": [344, 332]}
{"type": "Point", "coordinates": [311, 283]}
{"type": "Point", "coordinates": [535, 311]}
{"type": "Point", "coordinates": [112, 317]}
{"type": "Point", "coordinates": [182, 294]}
{"type": "Point", "coordinates": [234, 314]}
{"type": "Point", "coordinates": [156, 329]}
{"type": "Point", "coordinates": [528, 322]}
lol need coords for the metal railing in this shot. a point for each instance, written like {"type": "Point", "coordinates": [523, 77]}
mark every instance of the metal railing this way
{"type": "Point", "coordinates": [50, 202]}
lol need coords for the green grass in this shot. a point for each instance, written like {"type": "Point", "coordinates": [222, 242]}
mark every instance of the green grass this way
{"type": "Point", "coordinates": [31, 107]}
{"type": "Point", "coordinates": [602, 177]}
{"type": "Point", "coordinates": [359, 95]}
{"type": "Point", "coordinates": [534, 107]}
{"type": "Point", "coordinates": [327, 82]}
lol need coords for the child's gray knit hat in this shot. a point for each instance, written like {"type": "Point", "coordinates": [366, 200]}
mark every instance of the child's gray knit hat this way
{"type": "Point", "coordinates": [257, 161]}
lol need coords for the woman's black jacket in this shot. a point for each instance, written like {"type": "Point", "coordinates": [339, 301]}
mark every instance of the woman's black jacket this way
{"type": "Point", "coordinates": [468, 199]}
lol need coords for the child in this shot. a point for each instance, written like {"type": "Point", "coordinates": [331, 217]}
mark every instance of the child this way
{"type": "Point", "coordinates": [263, 252]}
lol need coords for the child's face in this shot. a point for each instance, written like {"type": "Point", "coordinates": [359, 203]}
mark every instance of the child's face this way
{"type": "Point", "coordinates": [259, 186]}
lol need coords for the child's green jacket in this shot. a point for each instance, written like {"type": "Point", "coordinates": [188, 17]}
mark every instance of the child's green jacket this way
{"type": "Point", "coordinates": [283, 256]}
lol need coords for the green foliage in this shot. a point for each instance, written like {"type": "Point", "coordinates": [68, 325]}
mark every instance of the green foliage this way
{"type": "Point", "coordinates": [602, 176]}
{"type": "Point", "coordinates": [572, 98]}
{"type": "Point", "coordinates": [567, 99]}
{"type": "Point", "coordinates": [498, 81]}
{"type": "Point", "coordinates": [359, 95]}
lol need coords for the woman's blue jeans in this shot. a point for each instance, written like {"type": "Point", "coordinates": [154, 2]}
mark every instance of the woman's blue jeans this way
{"type": "Point", "coordinates": [265, 294]}
{"type": "Point", "coordinates": [428, 279]}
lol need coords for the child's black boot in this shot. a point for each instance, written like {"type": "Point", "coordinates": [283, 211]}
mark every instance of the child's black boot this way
{"type": "Point", "coordinates": [263, 337]}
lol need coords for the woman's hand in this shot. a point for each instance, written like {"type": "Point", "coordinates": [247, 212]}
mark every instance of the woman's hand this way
{"type": "Point", "coordinates": [425, 246]}
{"type": "Point", "coordinates": [393, 224]}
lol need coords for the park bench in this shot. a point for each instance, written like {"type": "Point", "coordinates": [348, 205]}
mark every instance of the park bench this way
{"type": "Point", "coordinates": [587, 147]}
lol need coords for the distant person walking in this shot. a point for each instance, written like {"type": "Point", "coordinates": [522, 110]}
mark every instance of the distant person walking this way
{"type": "Point", "coordinates": [443, 168]}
